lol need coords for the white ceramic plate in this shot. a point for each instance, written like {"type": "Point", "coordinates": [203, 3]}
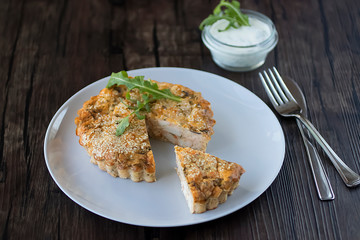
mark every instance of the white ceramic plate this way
{"type": "Point", "coordinates": [246, 132]}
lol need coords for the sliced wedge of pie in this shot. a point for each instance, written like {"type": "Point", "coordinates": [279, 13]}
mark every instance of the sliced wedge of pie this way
{"type": "Point", "coordinates": [206, 181]}
{"type": "Point", "coordinates": [125, 156]}
{"type": "Point", "coordinates": [187, 123]}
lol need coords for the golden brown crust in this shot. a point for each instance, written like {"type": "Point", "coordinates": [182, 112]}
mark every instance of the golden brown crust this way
{"type": "Point", "coordinates": [209, 179]}
{"type": "Point", "coordinates": [193, 112]}
{"type": "Point", "coordinates": [187, 123]}
{"type": "Point", "coordinates": [125, 156]}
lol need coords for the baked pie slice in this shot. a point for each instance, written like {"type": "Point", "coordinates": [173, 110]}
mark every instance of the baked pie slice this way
{"type": "Point", "coordinates": [206, 181]}
{"type": "Point", "coordinates": [126, 156]}
{"type": "Point", "coordinates": [187, 123]}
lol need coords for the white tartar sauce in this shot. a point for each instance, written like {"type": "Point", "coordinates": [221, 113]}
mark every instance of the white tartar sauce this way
{"type": "Point", "coordinates": [257, 32]}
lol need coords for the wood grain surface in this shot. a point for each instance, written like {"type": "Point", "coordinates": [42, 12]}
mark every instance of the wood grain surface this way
{"type": "Point", "coordinates": [49, 50]}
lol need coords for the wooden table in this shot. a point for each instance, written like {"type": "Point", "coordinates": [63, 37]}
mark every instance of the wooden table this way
{"type": "Point", "coordinates": [49, 50]}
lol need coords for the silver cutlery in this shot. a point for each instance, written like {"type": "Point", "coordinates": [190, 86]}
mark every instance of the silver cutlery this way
{"type": "Point", "coordinates": [285, 104]}
{"type": "Point", "coordinates": [321, 180]}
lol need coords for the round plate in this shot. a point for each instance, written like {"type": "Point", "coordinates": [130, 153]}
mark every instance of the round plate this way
{"type": "Point", "coordinates": [246, 132]}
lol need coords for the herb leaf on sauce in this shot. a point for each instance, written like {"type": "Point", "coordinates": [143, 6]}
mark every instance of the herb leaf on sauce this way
{"type": "Point", "coordinates": [229, 11]}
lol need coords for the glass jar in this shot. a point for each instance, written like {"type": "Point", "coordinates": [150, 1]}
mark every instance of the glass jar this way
{"type": "Point", "coordinates": [241, 58]}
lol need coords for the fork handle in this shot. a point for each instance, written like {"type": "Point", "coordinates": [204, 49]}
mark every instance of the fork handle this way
{"type": "Point", "coordinates": [350, 178]}
{"type": "Point", "coordinates": [322, 183]}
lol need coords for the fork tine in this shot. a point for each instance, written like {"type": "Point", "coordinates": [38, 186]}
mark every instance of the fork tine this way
{"type": "Point", "coordinates": [277, 86]}
{"type": "Point", "coordinates": [281, 82]}
{"type": "Point", "coordinates": [268, 91]}
{"type": "Point", "coordinates": [273, 88]}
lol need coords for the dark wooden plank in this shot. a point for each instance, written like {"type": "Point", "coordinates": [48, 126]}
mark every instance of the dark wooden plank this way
{"type": "Point", "coordinates": [312, 65]}
{"type": "Point", "coordinates": [48, 60]}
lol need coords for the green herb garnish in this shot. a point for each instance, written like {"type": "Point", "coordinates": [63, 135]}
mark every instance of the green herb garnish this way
{"type": "Point", "coordinates": [231, 13]}
{"type": "Point", "coordinates": [123, 124]}
{"type": "Point", "coordinates": [149, 93]}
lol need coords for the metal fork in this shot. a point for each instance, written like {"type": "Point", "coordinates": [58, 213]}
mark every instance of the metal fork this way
{"type": "Point", "coordinates": [285, 104]}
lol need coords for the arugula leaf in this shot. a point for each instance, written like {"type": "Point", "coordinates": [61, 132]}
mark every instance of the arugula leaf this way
{"type": "Point", "coordinates": [122, 78]}
{"type": "Point", "coordinates": [231, 13]}
{"type": "Point", "coordinates": [123, 124]}
{"type": "Point", "coordinates": [139, 116]}
{"type": "Point", "coordinates": [150, 92]}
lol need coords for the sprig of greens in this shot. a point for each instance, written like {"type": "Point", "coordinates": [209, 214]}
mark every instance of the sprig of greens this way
{"type": "Point", "coordinates": [152, 88]}
{"type": "Point", "coordinates": [231, 13]}
{"type": "Point", "coordinates": [150, 92]}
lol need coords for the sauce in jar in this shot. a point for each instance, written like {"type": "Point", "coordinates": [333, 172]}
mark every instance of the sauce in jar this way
{"type": "Point", "coordinates": [242, 49]}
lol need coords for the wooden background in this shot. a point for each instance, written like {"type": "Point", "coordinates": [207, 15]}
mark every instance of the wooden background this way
{"type": "Point", "coordinates": [49, 50]}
